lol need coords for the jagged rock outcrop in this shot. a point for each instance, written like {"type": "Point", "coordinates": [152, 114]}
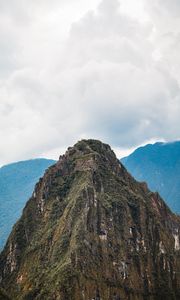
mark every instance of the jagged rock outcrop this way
{"type": "Point", "coordinates": [90, 231]}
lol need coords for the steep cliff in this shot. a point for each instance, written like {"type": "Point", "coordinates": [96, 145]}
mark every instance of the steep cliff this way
{"type": "Point", "coordinates": [90, 231]}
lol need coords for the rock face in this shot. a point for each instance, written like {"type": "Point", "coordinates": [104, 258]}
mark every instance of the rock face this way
{"type": "Point", "coordinates": [90, 231]}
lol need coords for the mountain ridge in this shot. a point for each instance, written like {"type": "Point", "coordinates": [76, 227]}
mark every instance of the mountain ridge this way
{"type": "Point", "coordinates": [17, 181]}
{"type": "Point", "coordinates": [159, 165]}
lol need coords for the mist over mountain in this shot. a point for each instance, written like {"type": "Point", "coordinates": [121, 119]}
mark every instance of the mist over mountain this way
{"type": "Point", "coordinates": [17, 181]}
{"type": "Point", "coordinates": [159, 165]}
{"type": "Point", "coordinates": [91, 231]}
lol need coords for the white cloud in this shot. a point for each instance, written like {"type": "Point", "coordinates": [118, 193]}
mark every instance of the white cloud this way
{"type": "Point", "coordinates": [73, 70]}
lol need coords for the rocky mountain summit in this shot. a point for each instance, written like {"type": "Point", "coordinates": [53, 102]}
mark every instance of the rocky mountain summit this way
{"type": "Point", "coordinates": [90, 231]}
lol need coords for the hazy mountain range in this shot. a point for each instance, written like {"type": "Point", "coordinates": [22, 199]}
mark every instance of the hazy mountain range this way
{"type": "Point", "coordinates": [91, 231]}
{"type": "Point", "coordinates": [159, 165]}
{"type": "Point", "coordinates": [17, 182]}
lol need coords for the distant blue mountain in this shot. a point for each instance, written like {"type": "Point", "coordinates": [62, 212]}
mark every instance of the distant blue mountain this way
{"type": "Point", "coordinates": [17, 182]}
{"type": "Point", "coordinates": [159, 166]}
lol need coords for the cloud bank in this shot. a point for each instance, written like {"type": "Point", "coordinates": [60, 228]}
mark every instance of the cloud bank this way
{"type": "Point", "coordinates": [79, 70]}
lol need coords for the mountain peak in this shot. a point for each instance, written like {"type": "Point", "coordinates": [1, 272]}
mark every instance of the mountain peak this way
{"type": "Point", "coordinates": [89, 155]}
{"type": "Point", "coordinates": [90, 147]}
{"type": "Point", "coordinates": [90, 231]}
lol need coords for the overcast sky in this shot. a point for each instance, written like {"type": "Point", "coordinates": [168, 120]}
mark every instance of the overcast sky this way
{"type": "Point", "coordinates": [70, 69]}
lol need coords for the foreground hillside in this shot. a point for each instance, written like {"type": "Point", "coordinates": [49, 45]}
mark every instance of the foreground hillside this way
{"type": "Point", "coordinates": [17, 181]}
{"type": "Point", "coordinates": [90, 231]}
{"type": "Point", "coordinates": [159, 166]}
